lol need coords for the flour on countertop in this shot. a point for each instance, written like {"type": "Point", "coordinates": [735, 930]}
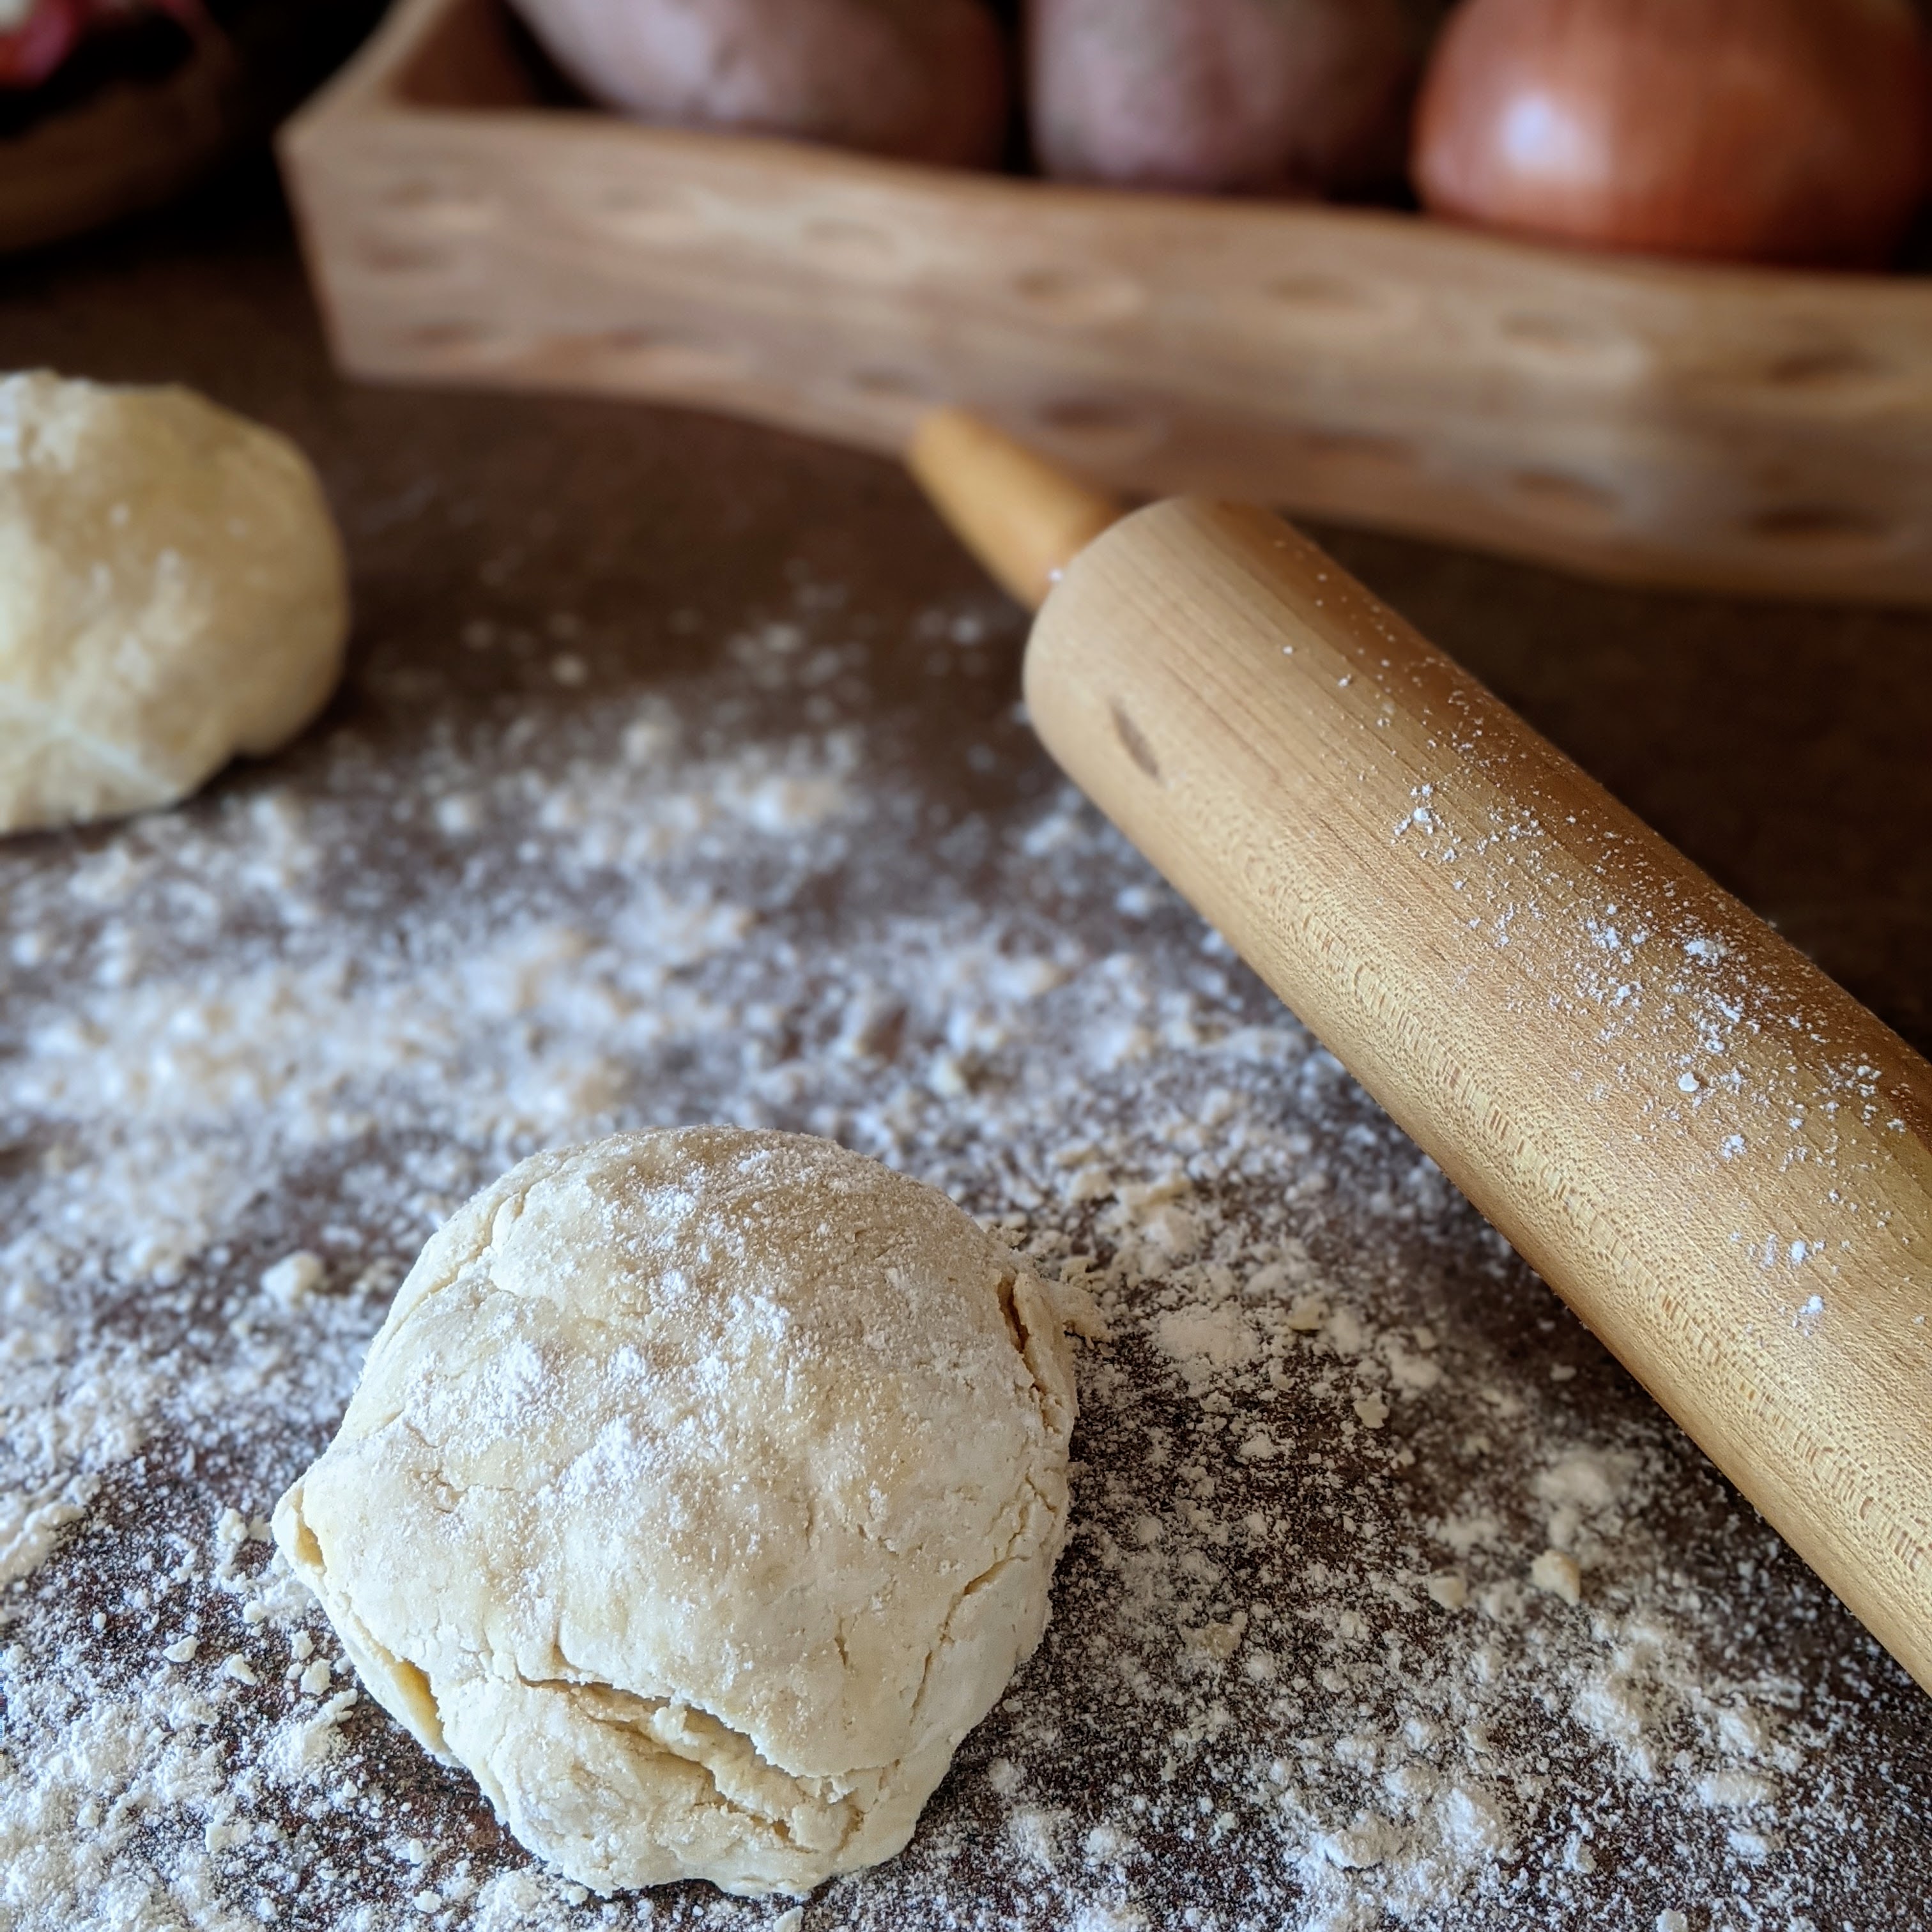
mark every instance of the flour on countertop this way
{"type": "Point", "coordinates": [1388, 1599]}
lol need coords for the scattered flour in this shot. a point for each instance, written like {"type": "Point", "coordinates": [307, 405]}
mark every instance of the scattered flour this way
{"type": "Point", "coordinates": [1369, 1617]}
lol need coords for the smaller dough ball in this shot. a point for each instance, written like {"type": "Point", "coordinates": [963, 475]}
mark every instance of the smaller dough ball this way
{"type": "Point", "coordinates": [702, 1490]}
{"type": "Point", "coordinates": [171, 591]}
{"type": "Point", "coordinates": [924, 80]}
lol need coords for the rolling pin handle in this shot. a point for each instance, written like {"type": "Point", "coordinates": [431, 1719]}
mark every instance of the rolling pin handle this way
{"type": "Point", "coordinates": [1023, 519]}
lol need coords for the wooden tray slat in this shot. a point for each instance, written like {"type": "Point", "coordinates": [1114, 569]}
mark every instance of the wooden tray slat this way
{"type": "Point", "coordinates": [1732, 429]}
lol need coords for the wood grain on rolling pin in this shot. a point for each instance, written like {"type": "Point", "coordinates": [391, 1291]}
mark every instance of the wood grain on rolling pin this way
{"type": "Point", "coordinates": [1719, 1158]}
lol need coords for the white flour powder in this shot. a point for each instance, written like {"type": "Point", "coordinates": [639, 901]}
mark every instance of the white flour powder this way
{"type": "Point", "coordinates": [1389, 1597]}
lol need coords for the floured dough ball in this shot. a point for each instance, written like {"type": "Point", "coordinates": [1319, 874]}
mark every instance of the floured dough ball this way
{"type": "Point", "coordinates": [171, 591]}
{"type": "Point", "coordinates": [701, 1492]}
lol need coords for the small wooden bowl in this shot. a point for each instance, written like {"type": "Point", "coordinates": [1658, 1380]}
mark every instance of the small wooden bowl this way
{"type": "Point", "coordinates": [1732, 429]}
{"type": "Point", "coordinates": [137, 140]}
{"type": "Point", "coordinates": [133, 146]}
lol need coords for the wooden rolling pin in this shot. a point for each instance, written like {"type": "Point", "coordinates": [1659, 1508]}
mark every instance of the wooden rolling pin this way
{"type": "Point", "coordinates": [1714, 1154]}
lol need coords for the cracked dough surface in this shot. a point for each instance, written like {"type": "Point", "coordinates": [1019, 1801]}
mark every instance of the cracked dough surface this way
{"type": "Point", "coordinates": [702, 1490]}
{"type": "Point", "coordinates": [172, 591]}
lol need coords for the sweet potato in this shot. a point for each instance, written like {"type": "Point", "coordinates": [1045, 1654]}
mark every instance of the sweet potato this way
{"type": "Point", "coordinates": [923, 80]}
{"type": "Point", "coordinates": [1257, 95]}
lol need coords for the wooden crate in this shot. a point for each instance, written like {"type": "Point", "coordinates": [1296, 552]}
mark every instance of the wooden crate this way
{"type": "Point", "coordinates": [1739, 429]}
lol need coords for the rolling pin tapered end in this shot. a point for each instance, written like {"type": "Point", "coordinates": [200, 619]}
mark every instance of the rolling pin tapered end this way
{"type": "Point", "coordinates": [1025, 520]}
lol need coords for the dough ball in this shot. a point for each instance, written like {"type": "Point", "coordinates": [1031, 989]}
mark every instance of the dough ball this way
{"type": "Point", "coordinates": [701, 1492]}
{"type": "Point", "coordinates": [924, 80]}
{"type": "Point", "coordinates": [171, 591]}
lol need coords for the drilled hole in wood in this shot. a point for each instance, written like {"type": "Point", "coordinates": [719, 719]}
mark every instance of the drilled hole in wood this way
{"type": "Point", "coordinates": [1826, 531]}
{"type": "Point", "coordinates": [620, 202]}
{"type": "Point", "coordinates": [1827, 366]}
{"type": "Point", "coordinates": [892, 385]}
{"type": "Point", "coordinates": [1098, 426]}
{"type": "Point", "coordinates": [649, 354]}
{"type": "Point", "coordinates": [1323, 294]}
{"type": "Point", "coordinates": [453, 338]}
{"type": "Point", "coordinates": [1079, 296]}
{"type": "Point", "coordinates": [1133, 740]}
{"type": "Point", "coordinates": [1567, 499]}
{"type": "Point", "coordinates": [387, 257]}
{"type": "Point", "coordinates": [1559, 335]}
{"type": "Point", "coordinates": [1360, 446]}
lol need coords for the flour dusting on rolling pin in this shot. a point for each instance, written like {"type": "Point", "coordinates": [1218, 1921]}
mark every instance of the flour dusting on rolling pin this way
{"type": "Point", "coordinates": [1719, 1158]}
